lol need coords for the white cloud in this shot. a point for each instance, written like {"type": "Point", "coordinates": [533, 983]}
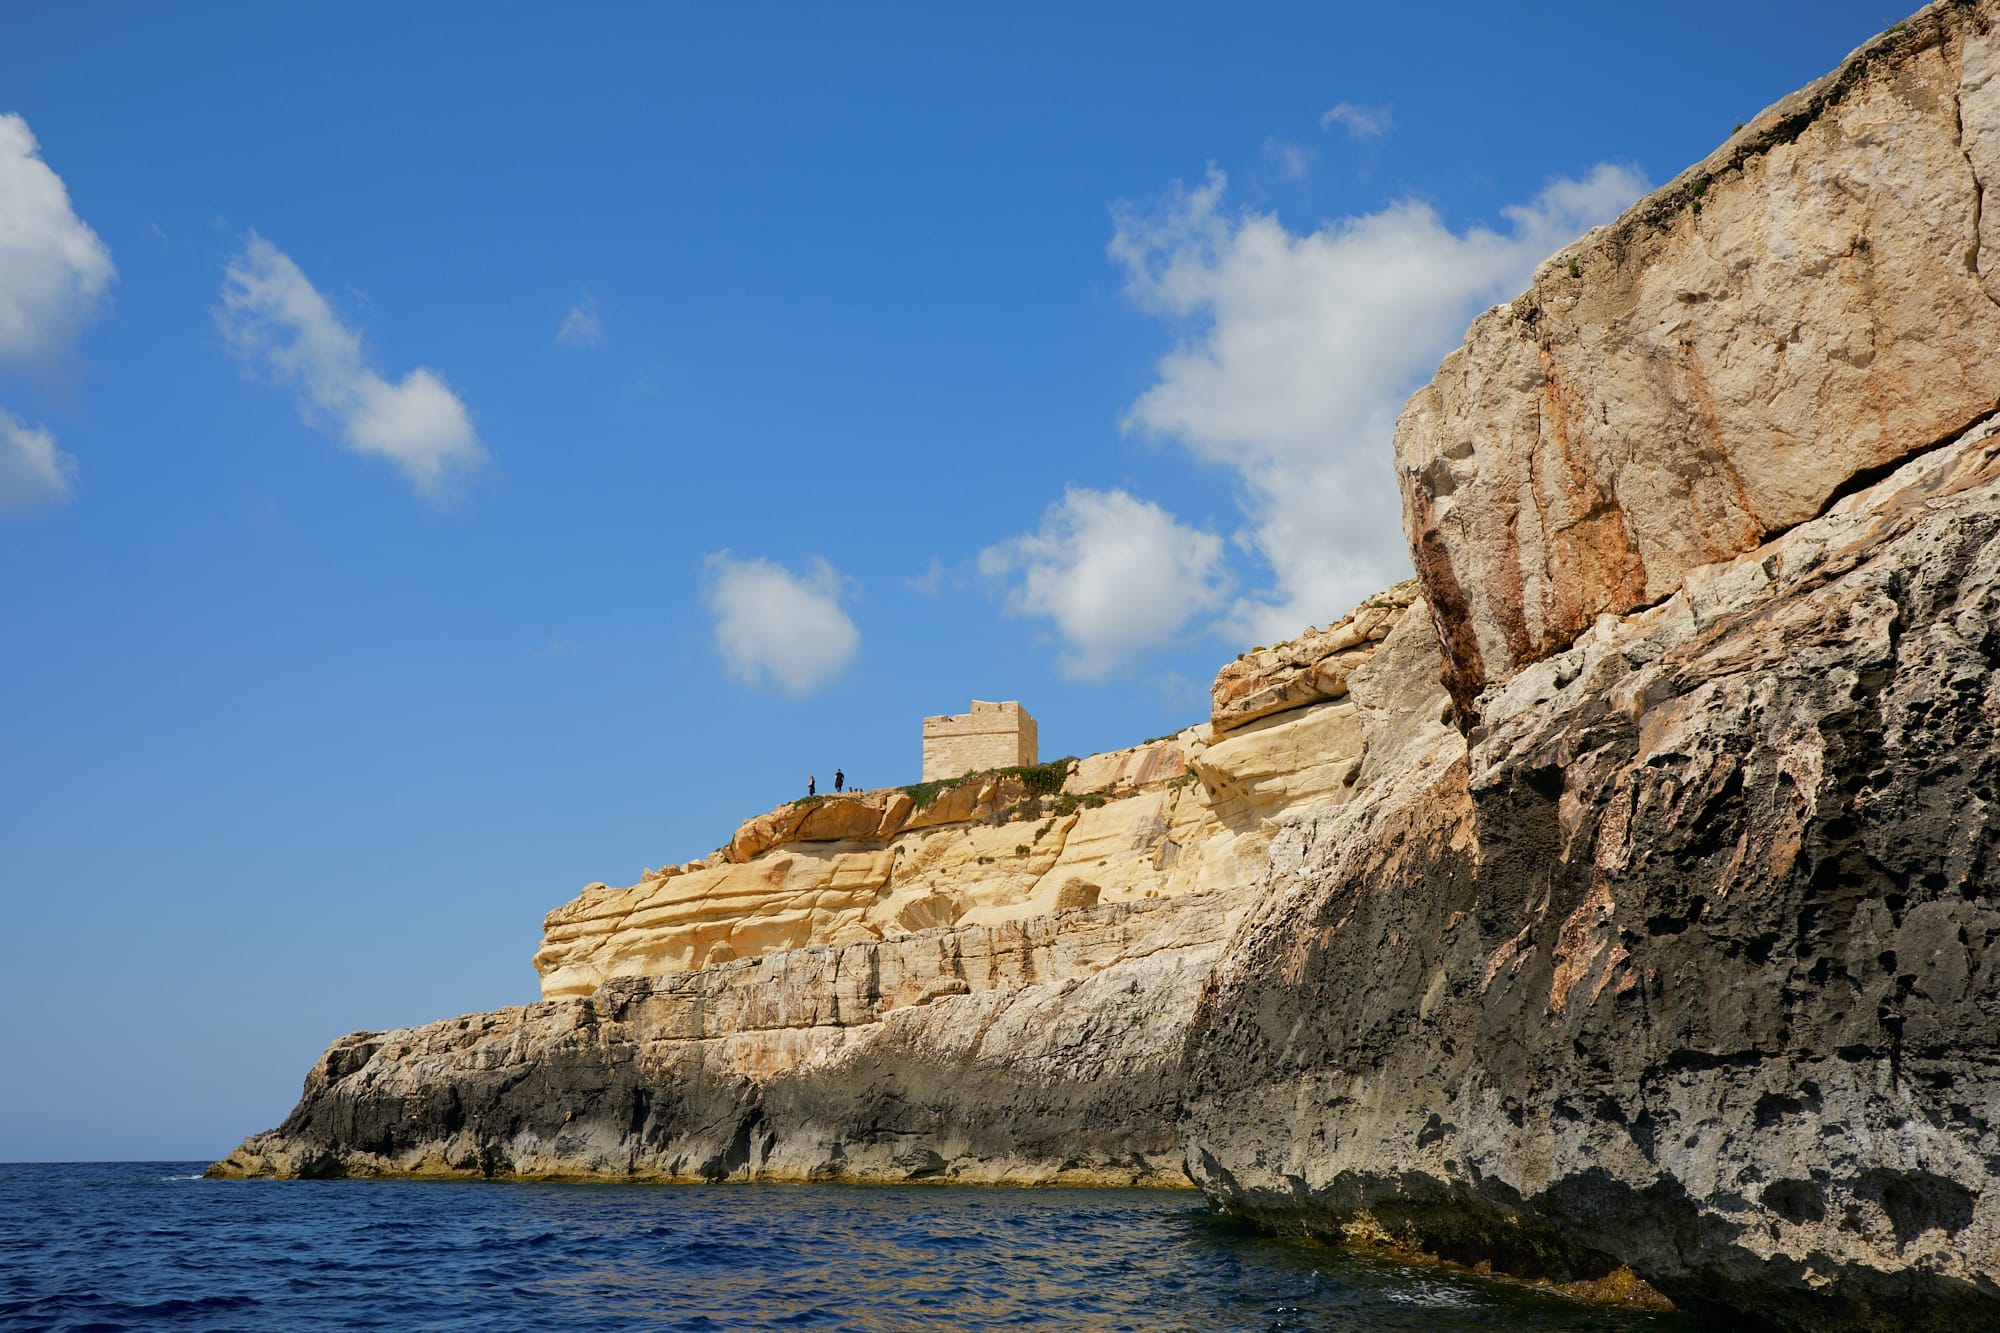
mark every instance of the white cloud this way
{"type": "Point", "coordinates": [54, 272]}
{"type": "Point", "coordinates": [1299, 351]}
{"type": "Point", "coordinates": [582, 327]}
{"type": "Point", "coordinates": [33, 472]}
{"type": "Point", "coordinates": [272, 316]}
{"type": "Point", "coordinates": [1291, 160]}
{"type": "Point", "coordinates": [53, 269]}
{"type": "Point", "coordinates": [1360, 122]}
{"type": "Point", "coordinates": [770, 622]}
{"type": "Point", "coordinates": [1117, 575]}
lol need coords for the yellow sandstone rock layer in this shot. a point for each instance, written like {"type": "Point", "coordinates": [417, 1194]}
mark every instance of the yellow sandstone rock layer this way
{"type": "Point", "coordinates": [1173, 817]}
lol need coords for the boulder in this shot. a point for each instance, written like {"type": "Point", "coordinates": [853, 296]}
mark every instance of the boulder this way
{"type": "Point", "coordinates": [1310, 669]}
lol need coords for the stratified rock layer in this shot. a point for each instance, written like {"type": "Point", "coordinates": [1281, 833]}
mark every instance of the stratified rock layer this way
{"type": "Point", "coordinates": [1307, 670]}
{"type": "Point", "coordinates": [975, 983]}
{"type": "Point", "coordinates": [1690, 961]}
{"type": "Point", "coordinates": [1812, 303]}
{"type": "Point", "coordinates": [1626, 899]}
{"type": "Point", "coordinates": [1032, 1052]}
{"type": "Point", "coordinates": [1176, 816]}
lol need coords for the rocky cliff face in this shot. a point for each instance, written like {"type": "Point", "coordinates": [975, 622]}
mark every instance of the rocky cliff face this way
{"type": "Point", "coordinates": [1690, 960]}
{"type": "Point", "coordinates": [1812, 303]}
{"type": "Point", "coordinates": [1625, 899]}
{"type": "Point", "coordinates": [1188, 814]}
{"type": "Point", "coordinates": [1045, 1050]}
{"type": "Point", "coordinates": [1685, 954]}
{"type": "Point", "coordinates": [984, 981]}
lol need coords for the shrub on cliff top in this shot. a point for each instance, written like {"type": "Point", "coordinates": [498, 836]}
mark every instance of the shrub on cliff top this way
{"type": "Point", "coordinates": [1037, 779]}
{"type": "Point", "coordinates": [1040, 779]}
{"type": "Point", "coordinates": [924, 794]}
{"type": "Point", "coordinates": [1069, 805]}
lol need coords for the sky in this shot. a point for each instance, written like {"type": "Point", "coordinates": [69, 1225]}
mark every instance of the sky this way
{"type": "Point", "coordinates": [450, 454]}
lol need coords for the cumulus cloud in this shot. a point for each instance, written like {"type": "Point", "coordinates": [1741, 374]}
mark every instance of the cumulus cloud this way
{"type": "Point", "coordinates": [1115, 573]}
{"type": "Point", "coordinates": [772, 624]}
{"type": "Point", "coordinates": [1298, 351]}
{"type": "Point", "coordinates": [1360, 122]}
{"type": "Point", "coordinates": [582, 327]}
{"type": "Point", "coordinates": [274, 319]}
{"type": "Point", "coordinates": [54, 272]}
{"type": "Point", "coordinates": [33, 472]}
{"type": "Point", "coordinates": [53, 269]}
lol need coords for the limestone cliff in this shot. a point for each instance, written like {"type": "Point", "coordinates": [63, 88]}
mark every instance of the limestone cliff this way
{"type": "Point", "coordinates": [1623, 894]}
{"type": "Point", "coordinates": [1817, 300]}
{"type": "Point", "coordinates": [1689, 961]}
{"type": "Point", "coordinates": [984, 980]}
{"type": "Point", "coordinates": [1682, 950]}
{"type": "Point", "coordinates": [1042, 1050]}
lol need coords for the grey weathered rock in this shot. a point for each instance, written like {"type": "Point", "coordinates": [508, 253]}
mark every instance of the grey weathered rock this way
{"type": "Point", "coordinates": [1690, 961]}
{"type": "Point", "coordinates": [1041, 1051]}
{"type": "Point", "coordinates": [1632, 898]}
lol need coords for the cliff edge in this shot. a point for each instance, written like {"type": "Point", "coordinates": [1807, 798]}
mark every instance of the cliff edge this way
{"type": "Point", "coordinates": [1682, 951]}
{"type": "Point", "coordinates": [1816, 301]}
{"type": "Point", "coordinates": [981, 980]}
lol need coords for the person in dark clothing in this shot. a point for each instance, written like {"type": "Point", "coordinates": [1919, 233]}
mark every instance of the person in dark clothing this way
{"type": "Point", "coordinates": [812, 786]}
{"type": "Point", "coordinates": [839, 779]}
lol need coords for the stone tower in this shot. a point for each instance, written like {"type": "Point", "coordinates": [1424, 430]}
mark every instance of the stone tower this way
{"type": "Point", "coordinates": [990, 736]}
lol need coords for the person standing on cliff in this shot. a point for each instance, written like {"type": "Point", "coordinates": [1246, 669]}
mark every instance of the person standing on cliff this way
{"type": "Point", "coordinates": [839, 780]}
{"type": "Point", "coordinates": [812, 785]}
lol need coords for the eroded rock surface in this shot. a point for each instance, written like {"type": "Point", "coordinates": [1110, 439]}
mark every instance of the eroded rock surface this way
{"type": "Point", "coordinates": [1033, 1052]}
{"type": "Point", "coordinates": [1310, 669]}
{"type": "Point", "coordinates": [1625, 899]}
{"type": "Point", "coordinates": [975, 983]}
{"type": "Point", "coordinates": [1172, 817]}
{"type": "Point", "coordinates": [1689, 961]}
{"type": "Point", "coordinates": [1814, 302]}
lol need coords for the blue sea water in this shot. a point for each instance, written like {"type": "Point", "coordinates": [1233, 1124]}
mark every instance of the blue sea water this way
{"type": "Point", "coordinates": [151, 1245]}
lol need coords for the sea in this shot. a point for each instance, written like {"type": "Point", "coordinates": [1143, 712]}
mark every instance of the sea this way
{"type": "Point", "coordinates": [109, 1246]}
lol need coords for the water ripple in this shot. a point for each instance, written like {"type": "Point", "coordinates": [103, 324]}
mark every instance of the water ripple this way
{"type": "Point", "coordinates": [121, 1247]}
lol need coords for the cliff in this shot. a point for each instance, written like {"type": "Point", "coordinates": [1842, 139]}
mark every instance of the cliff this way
{"type": "Point", "coordinates": [1034, 1052]}
{"type": "Point", "coordinates": [1812, 303]}
{"type": "Point", "coordinates": [1688, 960]}
{"type": "Point", "coordinates": [983, 980]}
{"type": "Point", "coordinates": [1682, 950]}
{"type": "Point", "coordinates": [1623, 896]}
{"type": "Point", "coordinates": [1183, 815]}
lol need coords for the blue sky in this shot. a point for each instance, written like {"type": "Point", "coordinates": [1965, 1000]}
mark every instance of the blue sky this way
{"type": "Point", "coordinates": [450, 454]}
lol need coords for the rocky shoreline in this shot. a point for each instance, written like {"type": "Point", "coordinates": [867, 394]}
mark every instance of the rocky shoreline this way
{"type": "Point", "coordinates": [852, 1063]}
{"type": "Point", "coordinates": [1616, 905]}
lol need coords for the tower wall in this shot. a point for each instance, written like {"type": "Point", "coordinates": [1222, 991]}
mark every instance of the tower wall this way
{"type": "Point", "coordinates": [992, 735]}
